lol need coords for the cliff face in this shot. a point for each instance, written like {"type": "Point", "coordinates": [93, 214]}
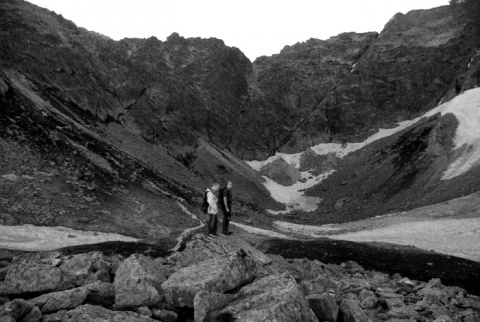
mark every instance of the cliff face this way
{"type": "Point", "coordinates": [173, 92]}
{"type": "Point", "coordinates": [297, 82]}
{"type": "Point", "coordinates": [372, 81]}
{"type": "Point", "coordinates": [168, 92]}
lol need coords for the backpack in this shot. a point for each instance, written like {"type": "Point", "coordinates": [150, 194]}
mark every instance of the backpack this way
{"type": "Point", "coordinates": [205, 203]}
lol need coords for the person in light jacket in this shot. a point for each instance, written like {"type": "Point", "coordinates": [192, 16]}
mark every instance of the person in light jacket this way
{"type": "Point", "coordinates": [212, 210]}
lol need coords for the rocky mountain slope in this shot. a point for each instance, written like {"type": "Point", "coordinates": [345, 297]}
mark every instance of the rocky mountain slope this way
{"type": "Point", "coordinates": [96, 132]}
{"type": "Point", "coordinates": [348, 86]}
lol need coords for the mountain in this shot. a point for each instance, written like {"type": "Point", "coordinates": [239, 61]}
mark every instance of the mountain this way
{"type": "Point", "coordinates": [124, 136]}
{"type": "Point", "coordinates": [345, 88]}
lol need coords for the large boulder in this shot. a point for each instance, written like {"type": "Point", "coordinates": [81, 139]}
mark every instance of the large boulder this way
{"type": "Point", "coordinates": [351, 311]}
{"type": "Point", "coordinates": [100, 293]}
{"type": "Point", "coordinates": [138, 282]}
{"type": "Point", "coordinates": [16, 309]}
{"type": "Point", "coordinates": [219, 274]}
{"type": "Point", "coordinates": [200, 249]}
{"type": "Point", "coordinates": [87, 313]}
{"type": "Point", "coordinates": [26, 276]}
{"type": "Point", "coordinates": [205, 302]}
{"type": "Point", "coordinates": [53, 302]}
{"type": "Point", "coordinates": [164, 315]}
{"type": "Point", "coordinates": [35, 315]}
{"type": "Point", "coordinates": [324, 306]}
{"type": "Point", "coordinates": [86, 268]}
{"type": "Point", "coordinates": [271, 298]}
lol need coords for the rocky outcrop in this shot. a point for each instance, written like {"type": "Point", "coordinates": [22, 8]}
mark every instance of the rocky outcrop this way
{"type": "Point", "coordinates": [137, 283]}
{"type": "Point", "coordinates": [310, 92]}
{"type": "Point", "coordinates": [53, 302]}
{"type": "Point", "coordinates": [220, 274]}
{"type": "Point", "coordinates": [26, 276]}
{"type": "Point", "coordinates": [272, 298]}
{"type": "Point", "coordinates": [205, 303]}
{"type": "Point", "coordinates": [16, 309]}
{"type": "Point", "coordinates": [87, 268]}
{"type": "Point", "coordinates": [200, 249]}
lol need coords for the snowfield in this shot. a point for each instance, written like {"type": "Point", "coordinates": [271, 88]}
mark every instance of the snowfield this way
{"type": "Point", "coordinates": [42, 238]}
{"type": "Point", "coordinates": [466, 109]}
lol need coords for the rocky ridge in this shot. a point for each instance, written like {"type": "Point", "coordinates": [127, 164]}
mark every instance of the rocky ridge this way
{"type": "Point", "coordinates": [345, 88]}
{"type": "Point", "coordinates": [171, 93]}
{"type": "Point", "coordinates": [171, 117]}
{"type": "Point", "coordinates": [241, 285]}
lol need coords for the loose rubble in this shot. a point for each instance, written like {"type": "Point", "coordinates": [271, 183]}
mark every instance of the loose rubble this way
{"type": "Point", "coordinates": [233, 282]}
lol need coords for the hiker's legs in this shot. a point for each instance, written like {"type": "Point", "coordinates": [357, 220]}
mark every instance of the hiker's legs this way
{"type": "Point", "coordinates": [226, 220]}
{"type": "Point", "coordinates": [215, 225]}
{"type": "Point", "coordinates": [211, 224]}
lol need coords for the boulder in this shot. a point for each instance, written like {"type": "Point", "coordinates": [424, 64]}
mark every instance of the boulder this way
{"type": "Point", "coordinates": [205, 302]}
{"type": "Point", "coordinates": [100, 293]}
{"type": "Point", "coordinates": [354, 285]}
{"type": "Point", "coordinates": [3, 273]}
{"type": "Point", "coordinates": [394, 302]}
{"type": "Point", "coordinates": [379, 278]}
{"type": "Point", "coordinates": [324, 306]}
{"type": "Point", "coordinates": [364, 294]}
{"type": "Point", "coordinates": [144, 310]}
{"type": "Point", "coordinates": [311, 287]}
{"type": "Point", "coordinates": [219, 274]}
{"type": "Point", "coordinates": [86, 268]}
{"type": "Point", "coordinates": [164, 315]}
{"type": "Point", "coordinates": [7, 319]}
{"type": "Point", "coordinates": [304, 269]}
{"type": "Point", "coordinates": [350, 311]}
{"type": "Point", "coordinates": [16, 309]}
{"type": "Point", "coordinates": [35, 315]}
{"type": "Point", "coordinates": [352, 267]}
{"type": "Point", "coordinates": [55, 317]}
{"type": "Point", "coordinates": [369, 302]}
{"type": "Point", "coordinates": [26, 276]}
{"type": "Point", "coordinates": [87, 313]}
{"type": "Point", "coordinates": [137, 282]}
{"type": "Point", "coordinates": [403, 312]}
{"type": "Point", "coordinates": [57, 301]}
{"type": "Point", "coordinates": [200, 249]}
{"type": "Point", "coordinates": [271, 298]}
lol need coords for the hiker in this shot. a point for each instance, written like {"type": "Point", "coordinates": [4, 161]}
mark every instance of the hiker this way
{"type": "Point", "coordinates": [212, 210]}
{"type": "Point", "coordinates": [225, 202]}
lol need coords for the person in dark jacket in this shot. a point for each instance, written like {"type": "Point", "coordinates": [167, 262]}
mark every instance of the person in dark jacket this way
{"type": "Point", "coordinates": [225, 202]}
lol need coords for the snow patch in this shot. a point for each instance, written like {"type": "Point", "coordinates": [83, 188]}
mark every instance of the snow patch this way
{"type": "Point", "coordinates": [292, 196]}
{"type": "Point", "coordinates": [42, 238]}
{"type": "Point", "coordinates": [457, 237]}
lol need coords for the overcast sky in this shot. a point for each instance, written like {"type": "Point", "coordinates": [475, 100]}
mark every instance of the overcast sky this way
{"type": "Point", "coordinates": [256, 27]}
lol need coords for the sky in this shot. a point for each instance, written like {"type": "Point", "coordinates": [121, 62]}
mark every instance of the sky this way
{"type": "Point", "coordinates": [256, 27]}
